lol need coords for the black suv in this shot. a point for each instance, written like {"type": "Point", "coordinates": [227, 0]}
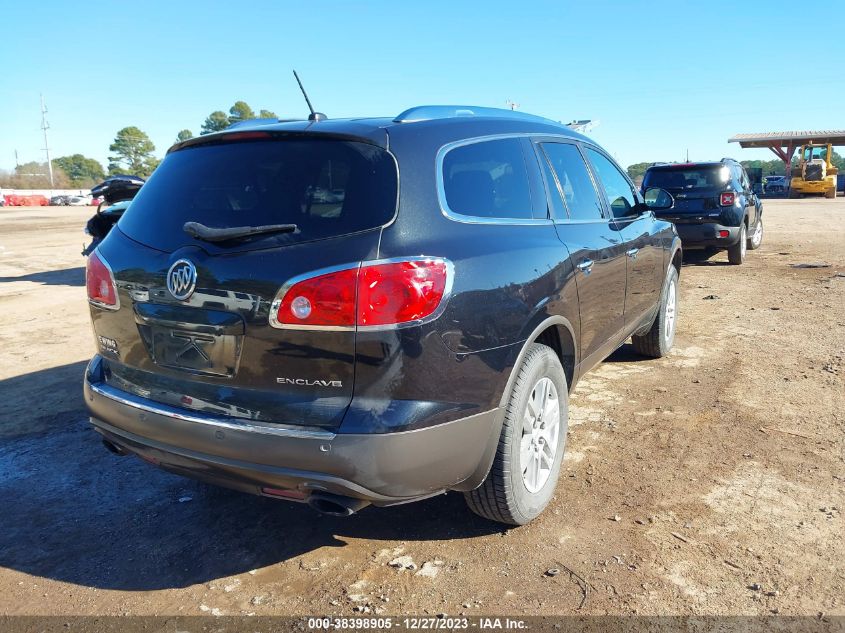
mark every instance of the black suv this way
{"type": "Point", "coordinates": [345, 312]}
{"type": "Point", "coordinates": [715, 207]}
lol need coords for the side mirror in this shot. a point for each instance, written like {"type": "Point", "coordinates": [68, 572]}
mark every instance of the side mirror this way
{"type": "Point", "coordinates": [658, 199]}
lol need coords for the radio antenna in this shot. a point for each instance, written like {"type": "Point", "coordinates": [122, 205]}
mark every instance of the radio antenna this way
{"type": "Point", "coordinates": [314, 116]}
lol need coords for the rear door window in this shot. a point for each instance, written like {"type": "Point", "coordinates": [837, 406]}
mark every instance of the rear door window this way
{"type": "Point", "coordinates": [488, 179]}
{"type": "Point", "coordinates": [326, 187]}
{"type": "Point", "coordinates": [576, 185]}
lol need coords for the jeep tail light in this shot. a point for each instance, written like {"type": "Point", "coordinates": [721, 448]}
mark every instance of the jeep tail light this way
{"type": "Point", "coordinates": [100, 282]}
{"type": "Point", "coordinates": [727, 198]}
{"type": "Point", "coordinates": [372, 295]}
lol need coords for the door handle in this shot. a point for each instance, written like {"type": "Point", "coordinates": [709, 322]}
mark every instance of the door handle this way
{"type": "Point", "coordinates": [586, 266]}
{"type": "Point", "coordinates": [632, 253]}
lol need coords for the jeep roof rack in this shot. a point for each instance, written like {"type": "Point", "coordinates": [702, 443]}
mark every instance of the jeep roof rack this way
{"type": "Point", "coordinates": [429, 112]}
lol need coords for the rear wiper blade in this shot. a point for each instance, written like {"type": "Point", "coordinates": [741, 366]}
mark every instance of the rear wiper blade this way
{"type": "Point", "coordinates": [211, 234]}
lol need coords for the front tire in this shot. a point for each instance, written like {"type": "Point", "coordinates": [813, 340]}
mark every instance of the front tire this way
{"type": "Point", "coordinates": [525, 470]}
{"type": "Point", "coordinates": [736, 253]}
{"type": "Point", "coordinates": [658, 341]}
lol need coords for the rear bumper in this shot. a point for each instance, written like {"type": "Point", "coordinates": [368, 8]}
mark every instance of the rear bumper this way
{"type": "Point", "coordinates": [707, 235]}
{"type": "Point", "coordinates": [382, 468]}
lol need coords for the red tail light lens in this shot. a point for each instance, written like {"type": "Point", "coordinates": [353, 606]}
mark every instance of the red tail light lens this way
{"type": "Point", "coordinates": [100, 282]}
{"type": "Point", "coordinates": [326, 301]}
{"type": "Point", "coordinates": [727, 199]}
{"type": "Point", "coordinates": [374, 295]}
{"type": "Point", "coordinates": [400, 292]}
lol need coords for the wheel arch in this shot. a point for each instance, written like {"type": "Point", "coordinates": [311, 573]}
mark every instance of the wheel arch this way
{"type": "Point", "coordinates": [557, 333]}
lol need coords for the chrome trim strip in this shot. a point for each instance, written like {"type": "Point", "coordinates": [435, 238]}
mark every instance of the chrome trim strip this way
{"type": "Point", "coordinates": [171, 412]}
{"type": "Point", "coordinates": [99, 304]}
{"type": "Point", "coordinates": [280, 295]}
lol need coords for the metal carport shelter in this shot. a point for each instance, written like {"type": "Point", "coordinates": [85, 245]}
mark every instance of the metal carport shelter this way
{"type": "Point", "coordinates": [784, 144]}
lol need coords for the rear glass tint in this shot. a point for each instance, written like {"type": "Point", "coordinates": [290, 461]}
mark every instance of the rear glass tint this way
{"type": "Point", "coordinates": [326, 187]}
{"type": "Point", "coordinates": [716, 176]}
{"type": "Point", "coordinates": [488, 179]}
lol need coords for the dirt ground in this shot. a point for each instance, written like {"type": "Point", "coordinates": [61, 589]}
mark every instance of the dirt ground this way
{"type": "Point", "coordinates": [708, 482]}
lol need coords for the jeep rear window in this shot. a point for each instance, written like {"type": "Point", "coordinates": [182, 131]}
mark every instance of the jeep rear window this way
{"type": "Point", "coordinates": [326, 187]}
{"type": "Point", "coordinates": [716, 176]}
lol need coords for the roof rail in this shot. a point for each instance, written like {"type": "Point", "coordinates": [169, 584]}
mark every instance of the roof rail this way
{"type": "Point", "coordinates": [429, 112]}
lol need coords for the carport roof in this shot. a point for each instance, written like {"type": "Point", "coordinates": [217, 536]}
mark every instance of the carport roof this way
{"type": "Point", "coordinates": [785, 139]}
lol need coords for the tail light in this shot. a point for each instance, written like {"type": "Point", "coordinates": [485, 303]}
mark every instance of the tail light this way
{"type": "Point", "coordinates": [99, 279]}
{"type": "Point", "coordinates": [727, 198]}
{"type": "Point", "coordinates": [378, 294]}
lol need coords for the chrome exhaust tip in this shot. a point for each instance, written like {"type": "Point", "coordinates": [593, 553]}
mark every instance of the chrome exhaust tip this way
{"type": "Point", "coordinates": [336, 505]}
{"type": "Point", "coordinates": [114, 448]}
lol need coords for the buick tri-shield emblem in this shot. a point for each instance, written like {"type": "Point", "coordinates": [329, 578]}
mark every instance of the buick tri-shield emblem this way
{"type": "Point", "coordinates": [182, 279]}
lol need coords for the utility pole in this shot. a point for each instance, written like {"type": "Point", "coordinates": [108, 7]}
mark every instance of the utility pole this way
{"type": "Point", "coordinates": [46, 126]}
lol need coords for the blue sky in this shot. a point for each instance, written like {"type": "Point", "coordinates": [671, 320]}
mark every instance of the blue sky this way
{"type": "Point", "coordinates": [662, 77]}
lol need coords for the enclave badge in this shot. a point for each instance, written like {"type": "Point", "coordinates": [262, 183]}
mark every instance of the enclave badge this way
{"type": "Point", "coordinates": [182, 279]}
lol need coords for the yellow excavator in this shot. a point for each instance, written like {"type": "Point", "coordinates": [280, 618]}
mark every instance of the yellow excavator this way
{"type": "Point", "coordinates": [814, 173]}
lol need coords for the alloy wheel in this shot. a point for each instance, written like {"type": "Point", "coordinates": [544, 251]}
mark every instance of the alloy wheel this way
{"type": "Point", "coordinates": [540, 431]}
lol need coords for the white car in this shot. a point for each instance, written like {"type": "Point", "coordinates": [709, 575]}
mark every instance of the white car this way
{"type": "Point", "coordinates": [79, 201]}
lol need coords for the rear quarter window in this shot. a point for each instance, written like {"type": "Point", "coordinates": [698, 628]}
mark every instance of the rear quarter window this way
{"type": "Point", "coordinates": [488, 179]}
{"type": "Point", "coordinates": [326, 187]}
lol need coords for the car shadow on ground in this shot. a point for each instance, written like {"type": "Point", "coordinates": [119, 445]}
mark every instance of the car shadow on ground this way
{"type": "Point", "coordinates": [626, 354]}
{"type": "Point", "coordinates": [703, 258]}
{"type": "Point", "coordinates": [76, 513]}
{"type": "Point", "coordinates": [65, 277]}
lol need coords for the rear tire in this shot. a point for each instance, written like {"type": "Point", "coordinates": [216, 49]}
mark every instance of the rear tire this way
{"type": "Point", "coordinates": [756, 238]}
{"type": "Point", "coordinates": [736, 253]}
{"type": "Point", "coordinates": [658, 341]}
{"type": "Point", "coordinates": [830, 193]}
{"type": "Point", "coordinates": [525, 470]}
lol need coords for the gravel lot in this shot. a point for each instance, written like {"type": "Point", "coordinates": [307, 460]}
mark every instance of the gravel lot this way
{"type": "Point", "coordinates": [708, 482]}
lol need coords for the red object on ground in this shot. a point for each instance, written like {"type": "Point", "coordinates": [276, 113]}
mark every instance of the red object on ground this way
{"type": "Point", "coordinates": [14, 200]}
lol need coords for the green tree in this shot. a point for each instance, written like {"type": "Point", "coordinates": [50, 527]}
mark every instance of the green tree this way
{"type": "Point", "coordinates": [184, 135]}
{"type": "Point", "coordinates": [240, 112]}
{"type": "Point", "coordinates": [268, 114]}
{"type": "Point", "coordinates": [637, 171]}
{"type": "Point", "coordinates": [34, 175]}
{"type": "Point", "coordinates": [81, 171]}
{"type": "Point", "coordinates": [132, 151]}
{"type": "Point", "coordinates": [769, 167]}
{"type": "Point", "coordinates": [215, 122]}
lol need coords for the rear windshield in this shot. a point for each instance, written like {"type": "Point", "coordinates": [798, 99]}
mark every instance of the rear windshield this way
{"type": "Point", "coordinates": [326, 187]}
{"type": "Point", "coordinates": [676, 179]}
